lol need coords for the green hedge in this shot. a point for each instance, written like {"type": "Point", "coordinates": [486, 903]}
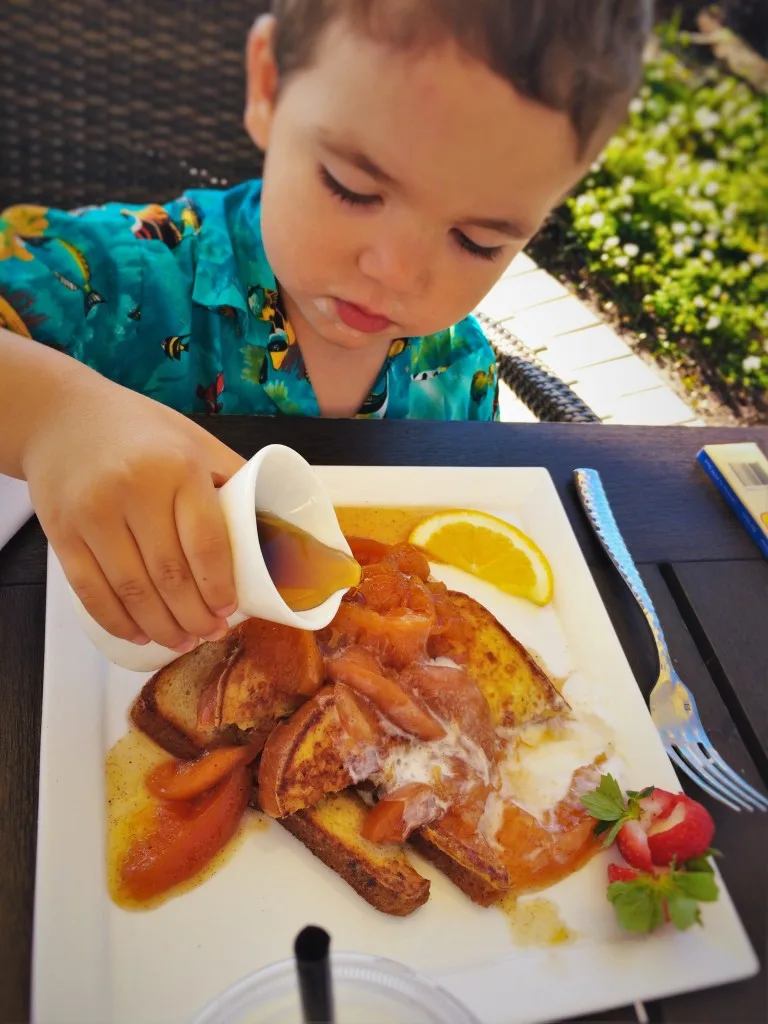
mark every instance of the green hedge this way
{"type": "Point", "coordinates": [673, 218]}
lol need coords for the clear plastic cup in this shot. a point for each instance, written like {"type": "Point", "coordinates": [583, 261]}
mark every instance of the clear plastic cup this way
{"type": "Point", "coordinates": [366, 990]}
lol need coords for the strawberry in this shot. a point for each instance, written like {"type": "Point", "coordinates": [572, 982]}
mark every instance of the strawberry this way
{"type": "Point", "coordinates": [632, 842]}
{"type": "Point", "coordinates": [653, 827]}
{"type": "Point", "coordinates": [683, 834]}
{"type": "Point", "coordinates": [620, 873]}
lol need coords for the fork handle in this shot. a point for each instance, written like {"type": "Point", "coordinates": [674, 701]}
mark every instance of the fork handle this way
{"type": "Point", "coordinates": [595, 502]}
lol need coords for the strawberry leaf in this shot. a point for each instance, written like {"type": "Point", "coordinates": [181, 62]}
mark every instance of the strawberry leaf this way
{"type": "Point", "coordinates": [683, 910]}
{"type": "Point", "coordinates": [699, 864]}
{"type": "Point", "coordinates": [698, 885]}
{"type": "Point", "coordinates": [638, 905]}
{"type": "Point", "coordinates": [605, 803]}
{"type": "Point", "coordinates": [642, 794]}
{"type": "Point", "coordinates": [613, 832]}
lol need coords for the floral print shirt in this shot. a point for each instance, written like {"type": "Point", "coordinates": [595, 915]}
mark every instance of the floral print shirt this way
{"type": "Point", "coordinates": [179, 303]}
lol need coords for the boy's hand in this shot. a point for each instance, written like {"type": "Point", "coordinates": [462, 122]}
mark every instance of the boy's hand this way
{"type": "Point", "coordinates": [125, 490]}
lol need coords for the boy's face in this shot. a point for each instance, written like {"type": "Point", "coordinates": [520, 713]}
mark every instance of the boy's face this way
{"type": "Point", "coordinates": [397, 187]}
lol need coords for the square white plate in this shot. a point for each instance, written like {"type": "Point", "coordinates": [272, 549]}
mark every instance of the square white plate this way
{"type": "Point", "coordinates": [95, 963]}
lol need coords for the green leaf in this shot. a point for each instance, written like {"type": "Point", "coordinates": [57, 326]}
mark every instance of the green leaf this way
{"type": "Point", "coordinates": [615, 829]}
{"type": "Point", "coordinates": [699, 885]}
{"type": "Point", "coordinates": [683, 911]}
{"type": "Point", "coordinates": [642, 794]}
{"type": "Point", "coordinates": [637, 905]}
{"type": "Point", "coordinates": [699, 864]}
{"type": "Point", "coordinates": [606, 802]}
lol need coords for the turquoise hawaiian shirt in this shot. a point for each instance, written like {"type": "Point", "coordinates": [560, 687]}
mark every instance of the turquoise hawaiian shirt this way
{"type": "Point", "coordinates": [179, 303]}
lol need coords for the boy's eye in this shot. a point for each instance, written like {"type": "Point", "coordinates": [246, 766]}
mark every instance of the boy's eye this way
{"type": "Point", "coordinates": [483, 252]}
{"type": "Point", "coordinates": [345, 194]}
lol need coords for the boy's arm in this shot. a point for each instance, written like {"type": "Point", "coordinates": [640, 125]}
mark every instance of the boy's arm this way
{"type": "Point", "coordinates": [125, 491]}
{"type": "Point", "coordinates": [123, 487]}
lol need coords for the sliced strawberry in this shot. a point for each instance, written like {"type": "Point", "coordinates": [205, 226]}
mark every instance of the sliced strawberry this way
{"type": "Point", "coordinates": [684, 833]}
{"type": "Point", "coordinates": [632, 842]}
{"type": "Point", "coordinates": [658, 804]}
{"type": "Point", "coordinates": [621, 873]}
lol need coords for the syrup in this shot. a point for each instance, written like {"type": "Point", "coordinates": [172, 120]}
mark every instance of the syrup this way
{"type": "Point", "coordinates": [305, 571]}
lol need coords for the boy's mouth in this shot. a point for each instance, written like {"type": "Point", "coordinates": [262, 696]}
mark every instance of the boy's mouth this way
{"type": "Point", "coordinates": [359, 318]}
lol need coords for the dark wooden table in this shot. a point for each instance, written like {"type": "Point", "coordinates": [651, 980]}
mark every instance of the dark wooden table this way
{"type": "Point", "coordinates": [708, 580]}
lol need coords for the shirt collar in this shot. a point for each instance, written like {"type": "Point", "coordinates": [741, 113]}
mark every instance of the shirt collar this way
{"type": "Point", "coordinates": [230, 256]}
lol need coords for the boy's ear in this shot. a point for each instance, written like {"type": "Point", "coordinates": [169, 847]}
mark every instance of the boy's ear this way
{"type": "Point", "coordinates": [261, 81]}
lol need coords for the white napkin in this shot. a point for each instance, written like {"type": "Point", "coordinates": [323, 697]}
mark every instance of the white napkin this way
{"type": "Point", "coordinates": [15, 507]}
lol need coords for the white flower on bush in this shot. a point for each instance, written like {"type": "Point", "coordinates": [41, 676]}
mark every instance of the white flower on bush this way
{"type": "Point", "coordinates": [699, 302]}
{"type": "Point", "coordinates": [705, 118]}
{"type": "Point", "coordinates": [745, 266]}
{"type": "Point", "coordinates": [627, 182]}
{"type": "Point", "coordinates": [697, 227]}
{"type": "Point", "coordinates": [729, 214]}
{"type": "Point", "coordinates": [661, 130]}
{"type": "Point", "coordinates": [707, 255]}
{"type": "Point", "coordinates": [597, 220]}
{"type": "Point", "coordinates": [622, 261]}
{"type": "Point", "coordinates": [654, 160]}
{"type": "Point", "coordinates": [631, 249]}
{"type": "Point", "coordinates": [711, 188]}
{"type": "Point", "coordinates": [707, 166]}
{"type": "Point", "coordinates": [751, 364]}
{"type": "Point", "coordinates": [678, 228]}
{"type": "Point", "coordinates": [713, 323]}
{"type": "Point", "coordinates": [703, 206]}
{"type": "Point", "coordinates": [611, 243]}
{"type": "Point", "coordinates": [716, 292]}
{"type": "Point", "coordinates": [636, 106]}
{"type": "Point", "coordinates": [680, 249]}
{"type": "Point", "coordinates": [710, 238]}
{"type": "Point", "coordinates": [585, 201]}
{"type": "Point", "coordinates": [756, 259]}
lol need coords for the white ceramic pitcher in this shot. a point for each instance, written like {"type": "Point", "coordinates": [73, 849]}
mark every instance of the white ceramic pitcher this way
{"type": "Point", "coordinates": [277, 480]}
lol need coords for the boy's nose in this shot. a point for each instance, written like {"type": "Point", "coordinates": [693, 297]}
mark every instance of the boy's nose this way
{"type": "Point", "coordinates": [398, 263]}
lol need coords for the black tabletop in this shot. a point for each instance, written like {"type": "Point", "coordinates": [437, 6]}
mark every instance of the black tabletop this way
{"type": "Point", "coordinates": [708, 580]}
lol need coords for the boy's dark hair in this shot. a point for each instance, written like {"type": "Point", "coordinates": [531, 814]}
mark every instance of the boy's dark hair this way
{"type": "Point", "coordinates": [583, 57]}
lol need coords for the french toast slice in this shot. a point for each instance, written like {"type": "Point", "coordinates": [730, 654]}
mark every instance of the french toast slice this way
{"type": "Point", "coordinates": [232, 690]}
{"type": "Point", "coordinates": [474, 884]}
{"type": "Point", "coordinates": [167, 707]}
{"type": "Point", "coordinates": [304, 758]}
{"type": "Point", "coordinates": [380, 872]}
{"type": "Point", "coordinates": [517, 689]}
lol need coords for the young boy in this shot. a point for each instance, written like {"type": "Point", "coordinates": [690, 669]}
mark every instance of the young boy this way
{"type": "Point", "coordinates": [412, 149]}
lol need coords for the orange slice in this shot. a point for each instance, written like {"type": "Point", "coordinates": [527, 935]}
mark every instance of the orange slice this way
{"type": "Point", "coordinates": [488, 548]}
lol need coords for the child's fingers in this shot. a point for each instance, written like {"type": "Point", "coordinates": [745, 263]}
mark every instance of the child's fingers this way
{"type": "Point", "coordinates": [156, 534]}
{"type": "Point", "coordinates": [121, 561]}
{"type": "Point", "coordinates": [203, 536]}
{"type": "Point", "coordinates": [94, 592]}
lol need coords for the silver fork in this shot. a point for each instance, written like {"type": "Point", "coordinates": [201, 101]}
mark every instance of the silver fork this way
{"type": "Point", "coordinates": [673, 708]}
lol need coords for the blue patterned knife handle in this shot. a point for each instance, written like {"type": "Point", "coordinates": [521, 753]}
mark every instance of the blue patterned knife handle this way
{"type": "Point", "coordinates": [595, 502]}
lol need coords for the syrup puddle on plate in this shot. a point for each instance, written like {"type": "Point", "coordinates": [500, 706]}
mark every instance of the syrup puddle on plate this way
{"type": "Point", "coordinates": [535, 922]}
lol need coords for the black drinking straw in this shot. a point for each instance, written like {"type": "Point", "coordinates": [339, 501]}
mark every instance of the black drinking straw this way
{"type": "Point", "coordinates": [314, 970]}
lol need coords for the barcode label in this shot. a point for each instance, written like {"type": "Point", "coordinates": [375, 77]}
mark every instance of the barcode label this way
{"type": "Point", "coordinates": [750, 474]}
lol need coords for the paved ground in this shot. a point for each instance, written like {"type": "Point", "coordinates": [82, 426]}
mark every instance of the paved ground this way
{"type": "Point", "coordinates": [568, 337]}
